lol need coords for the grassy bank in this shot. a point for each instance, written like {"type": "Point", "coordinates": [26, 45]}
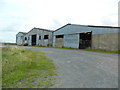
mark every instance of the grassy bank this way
{"type": "Point", "coordinates": [102, 51]}
{"type": "Point", "coordinates": [26, 68]}
{"type": "Point", "coordinates": [87, 49]}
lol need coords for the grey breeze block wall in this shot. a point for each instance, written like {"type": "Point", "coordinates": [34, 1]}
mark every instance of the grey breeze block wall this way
{"type": "Point", "coordinates": [105, 41]}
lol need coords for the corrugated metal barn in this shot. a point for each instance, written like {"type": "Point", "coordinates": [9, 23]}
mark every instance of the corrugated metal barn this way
{"type": "Point", "coordinates": [86, 36]}
{"type": "Point", "coordinates": [73, 36]}
{"type": "Point", "coordinates": [38, 36]}
{"type": "Point", "coordinates": [20, 38]}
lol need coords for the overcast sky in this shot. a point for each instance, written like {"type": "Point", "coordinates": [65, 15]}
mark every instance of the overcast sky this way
{"type": "Point", "coordinates": [23, 15]}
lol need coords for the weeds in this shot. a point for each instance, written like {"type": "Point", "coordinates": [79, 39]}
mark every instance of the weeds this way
{"type": "Point", "coordinates": [22, 68]}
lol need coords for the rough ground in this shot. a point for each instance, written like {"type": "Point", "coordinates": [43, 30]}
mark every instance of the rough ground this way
{"type": "Point", "coordinates": [83, 69]}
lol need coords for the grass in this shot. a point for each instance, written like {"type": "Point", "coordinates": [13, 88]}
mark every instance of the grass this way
{"type": "Point", "coordinates": [102, 51]}
{"type": "Point", "coordinates": [22, 68]}
{"type": "Point", "coordinates": [87, 49]}
{"type": "Point", "coordinates": [55, 47]}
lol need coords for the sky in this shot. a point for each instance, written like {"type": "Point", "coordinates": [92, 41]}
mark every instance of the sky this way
{"type": "Point", "coordinates": [23, 15]}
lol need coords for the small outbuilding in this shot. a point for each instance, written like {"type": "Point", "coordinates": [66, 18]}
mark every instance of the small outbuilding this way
{"type": "Point", "coordinates": [20, 38]}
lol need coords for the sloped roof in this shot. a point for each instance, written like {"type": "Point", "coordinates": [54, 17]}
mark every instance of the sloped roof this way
{"type": "Point", "coordinates": [22, 33]}
{"type": "Point", "coordinates": [41, 29]}
{"type": "Point", "coordinates": [87, 26]}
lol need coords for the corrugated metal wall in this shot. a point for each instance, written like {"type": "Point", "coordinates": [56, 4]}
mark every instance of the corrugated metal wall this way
{"type": "Point", "coordinates": [20, 39]}
{"type": "Point", "coordinates": [71, 29]}
{"type": "Point", "coordinates": [71, 41]}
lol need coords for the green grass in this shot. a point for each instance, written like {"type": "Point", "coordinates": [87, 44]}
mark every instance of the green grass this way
{"type": "Point", "coordinates": [26, 69]}
{"type": "Point", "coordinates": [102, 51]}
{"type": "Point", "coordinates": [87, 49]}
{"type": "Point", "coordinates": [55, 47]}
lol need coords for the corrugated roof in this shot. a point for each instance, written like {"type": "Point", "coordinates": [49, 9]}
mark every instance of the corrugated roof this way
{"type": "Point", "coordinates": [22, 33]}
{"type": "Point", "coordinates": [87, 26]}
{"type": "Point", "coordinates": [41, 29]}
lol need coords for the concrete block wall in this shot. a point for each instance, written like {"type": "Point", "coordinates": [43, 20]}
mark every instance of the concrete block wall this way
{"type": "Point", "coordinates": [105, 41]}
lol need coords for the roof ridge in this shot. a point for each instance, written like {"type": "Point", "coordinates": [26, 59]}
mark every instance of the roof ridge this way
{"type": "Point", "coordinates": [96, 26]}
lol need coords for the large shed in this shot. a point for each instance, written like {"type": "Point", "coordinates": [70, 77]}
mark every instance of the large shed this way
{"type": "Point", "coordinates": [38, 36]}
{"type": "Point", "coordinates": [87, 36]}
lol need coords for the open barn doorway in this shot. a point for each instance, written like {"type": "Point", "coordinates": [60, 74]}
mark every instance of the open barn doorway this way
{"type": "Point", "coordinates": [85, 40]}
{"type": "Point", "coordinates": [33, 40]}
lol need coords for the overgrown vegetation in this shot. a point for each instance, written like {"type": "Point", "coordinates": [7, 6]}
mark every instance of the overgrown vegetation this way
{"type": "Point", "coordinates": [22, 68]}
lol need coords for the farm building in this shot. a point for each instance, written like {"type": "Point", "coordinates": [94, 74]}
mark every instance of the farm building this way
{"type": "Point", "coordinates": [73, 36]}
{"type": "Point", "coordinates": [40, 37]}
{"type": "Point", "coordinates": [87, 36]}
{"type": "Point", "coordinates": [20, 38]}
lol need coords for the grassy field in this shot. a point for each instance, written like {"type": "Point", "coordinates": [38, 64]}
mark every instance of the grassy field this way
{"type": "Point", "coordinates": [23, 68]}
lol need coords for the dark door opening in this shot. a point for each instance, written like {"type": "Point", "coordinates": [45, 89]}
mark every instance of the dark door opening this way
{"type": "Point", "coordinates": [33, 40]}
{"type": "Point", "coordinates": [85, 40]}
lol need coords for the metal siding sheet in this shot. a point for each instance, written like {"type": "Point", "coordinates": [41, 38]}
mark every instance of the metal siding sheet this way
{"type": "Point", "coordinates": [104, 30]}
{"type": "Point", "coordinates": [20, 39]}
{"type": "Point", "coordinates": [37, 39]}
{"type": "Point", "coordinates": [29, 40]}
{"type": "Point", "coordinates": [46, 42]}
{"type": "Point", "coordinates": [71, 41]}
{"type": "Point", "coordinates": [72, 29]}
